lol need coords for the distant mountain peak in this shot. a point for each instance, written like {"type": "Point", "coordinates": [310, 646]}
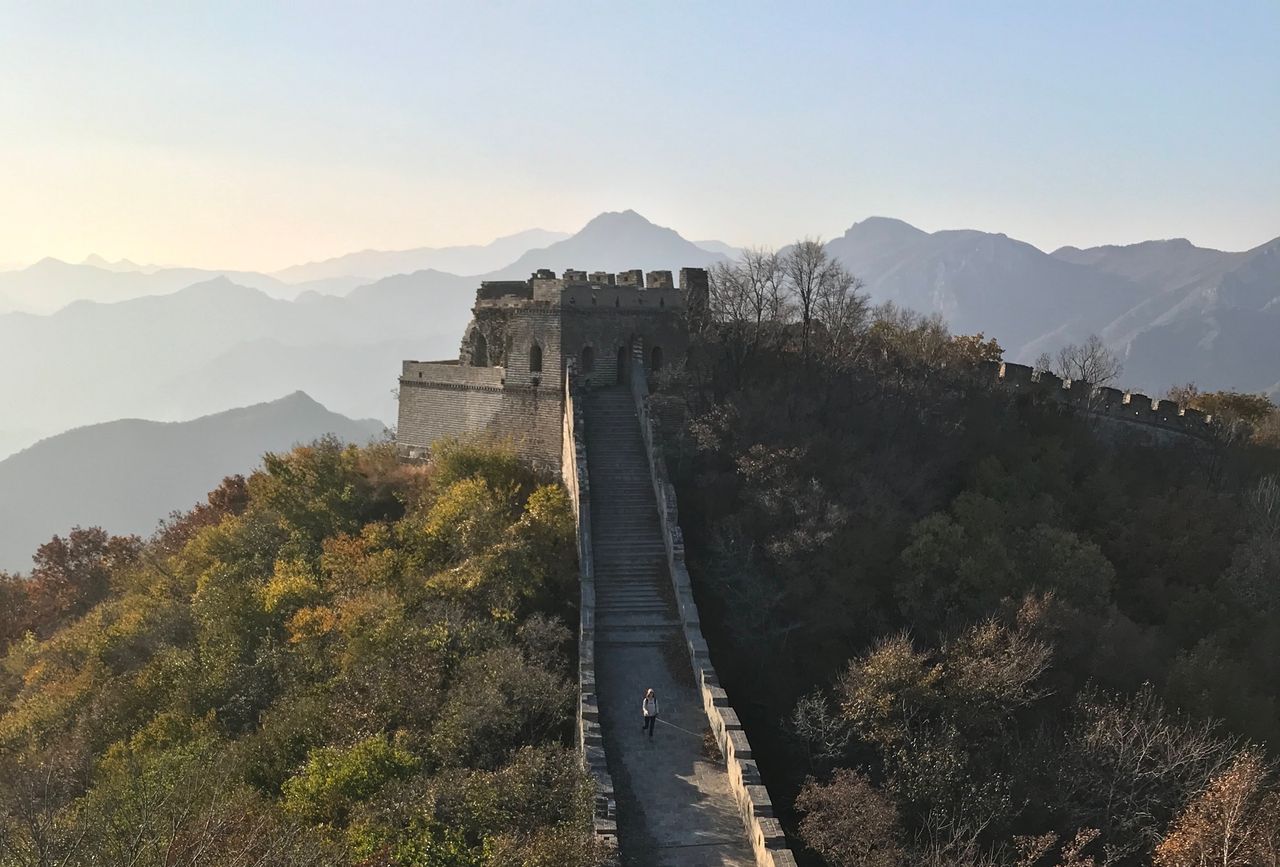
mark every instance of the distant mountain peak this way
{"type": "Point", "coordinates": [93, 260]}
{"type": "Point", "coordinates": [299, 398]}
{"type": "Point", "coordinates": [885, 228]}
{"type": "Point", "coordinates": [618, 218]}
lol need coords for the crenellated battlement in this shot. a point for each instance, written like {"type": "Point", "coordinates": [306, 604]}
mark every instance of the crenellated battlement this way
{"type": "Point", "coordinates": [1134, 407]}
{"type": "Point", "coordinates": [655, 290]}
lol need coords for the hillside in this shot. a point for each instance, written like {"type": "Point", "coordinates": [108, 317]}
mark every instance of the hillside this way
{"type": "Point", "coordinates": [954, 619]}
{"type": "Point", "coordinates": [336, 661]}
{"type": "Point", "coordinates": [126, 475]}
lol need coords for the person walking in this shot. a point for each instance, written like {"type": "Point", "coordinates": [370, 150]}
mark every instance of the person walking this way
{"type": "Point", "coordinates": [650, 709]}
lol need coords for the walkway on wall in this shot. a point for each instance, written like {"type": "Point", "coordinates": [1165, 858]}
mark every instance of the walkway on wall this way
{"type": "Point", "coordinates": [675, 808]}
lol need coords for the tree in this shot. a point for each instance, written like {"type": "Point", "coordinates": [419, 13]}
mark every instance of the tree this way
{"type": "Point", "coordinates": [1238, 416]}
{"type": "Point", "coordinates": [818, 283]}
{"type": "Point", "coordinates": [824, 732]}
{"type": "Point", "coordinates": [1128, 764]}
{"type": "Point", "coordinates": [849, 822]}
{"type": "Point", "coordinates": [1234, 822]}
{"type": "Point", "coordinates": [1091, 362]}
{"type": "Point", "coordinates": [842, 312]}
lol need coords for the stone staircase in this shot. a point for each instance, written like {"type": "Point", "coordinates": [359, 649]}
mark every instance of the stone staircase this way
{"type": "Point", "coordinates": [675, 808]}
{"type": "Point", "coordinates": [633, 599]}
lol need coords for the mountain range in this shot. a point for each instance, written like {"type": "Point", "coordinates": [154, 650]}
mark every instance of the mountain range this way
{"type": "Point", "coordinates": [1175, 312]}
{"type": "Point", "coordinates": [469, 259]}
{"type": "Point", "coordinates": [124, 476]}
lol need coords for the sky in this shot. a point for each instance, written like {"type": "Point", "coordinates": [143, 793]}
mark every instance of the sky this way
{"type": "Point", "coordinates": [258, 135]}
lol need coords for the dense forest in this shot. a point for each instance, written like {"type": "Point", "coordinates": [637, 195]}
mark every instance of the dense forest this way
{"type": "Point", "coordinates": [338, 660]}
{"type": "Point", "coordinates": [964, 627]}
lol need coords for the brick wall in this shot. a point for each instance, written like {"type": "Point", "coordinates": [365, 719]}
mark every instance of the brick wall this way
{"type": "Point", "coordinates": [590, 739]}
{"type": "Point", "coordinates": [458, 401]}
{"type": "Point", "coordinates": [611, 333]}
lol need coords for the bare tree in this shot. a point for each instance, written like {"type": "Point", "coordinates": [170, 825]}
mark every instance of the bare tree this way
{"type": "Point", "coordinates": [748, 302]}
{"type": "Point", "coordinates": [811, 276]}
{"type": "Point", "coordinates": [1090, 361]}
{"type": "Point", "coordinates": [822, 728]}
{"type": "Point", "coordinates": [1129, 764]}
{"type": "Point", "coordinates": [843, 311]}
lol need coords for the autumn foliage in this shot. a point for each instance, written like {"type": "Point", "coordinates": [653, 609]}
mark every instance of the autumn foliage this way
{"type": "Point", "coordinates": [339, 659]}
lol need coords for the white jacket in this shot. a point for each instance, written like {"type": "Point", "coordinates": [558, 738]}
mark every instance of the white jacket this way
{"type": "Point", "coordinates": [649, 706]}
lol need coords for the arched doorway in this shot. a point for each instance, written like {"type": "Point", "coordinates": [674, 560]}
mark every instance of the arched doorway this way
{"type": "Point", "coordinates": [622, 365]}
{"type": "Point", "coordinates": [535, 359]}
{"type": "Point", "coordinates": [479, 350]}
{"type": "Point", "coordinates": [655, 359]}
{"type": "Point", "coordinates": [588, 359]}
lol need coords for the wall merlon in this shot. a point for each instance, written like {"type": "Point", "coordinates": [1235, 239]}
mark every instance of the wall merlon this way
{"type": "Point", "coordinates": [659, 280]}
{"type": "Point", "coordinates": [1078, 391]}
{"type": "Point", "coordinates": [1015, 375]}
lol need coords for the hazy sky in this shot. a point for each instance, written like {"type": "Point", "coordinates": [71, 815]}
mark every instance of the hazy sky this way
{"type": "Point", "coordinates": [258, 135]}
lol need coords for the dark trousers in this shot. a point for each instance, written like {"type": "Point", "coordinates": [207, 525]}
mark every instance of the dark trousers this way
{"type": "Point", "coordinates": [649, 723]}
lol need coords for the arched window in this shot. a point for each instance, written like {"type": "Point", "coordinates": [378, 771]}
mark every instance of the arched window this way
{"type": "Point", "coordinates": [479, 350]}
{"type": "Point", "coordinates": [655, 359]}
{"type": "Point", "coordinates": [588, 359]}
{"type": "Point", "coordinates": [535, 359]}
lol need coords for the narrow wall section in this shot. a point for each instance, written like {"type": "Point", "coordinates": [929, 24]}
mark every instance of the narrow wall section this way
{"type": "Point", "coordinates": [764, 831]}
{"type": "Point", "coordinates": [590, 742]}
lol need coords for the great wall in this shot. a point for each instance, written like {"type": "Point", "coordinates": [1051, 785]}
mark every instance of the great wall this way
{"type": "Point", "coordinates": [560, 368]}
{"type": "Point", "coordinates": [1159, 419]}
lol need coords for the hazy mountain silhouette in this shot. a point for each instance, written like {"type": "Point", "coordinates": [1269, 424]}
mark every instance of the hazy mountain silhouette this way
{"type": "Point", "coordinates": [1216, 323]}
{"type": "Point", "coordinates": [127, 475]}
{"type": "Point", "coordinates": [96, 261]}
{"type": "Point", "coordinates": [720, 247]}
{"type": "Point", "coordinates": [613, 241]}
{"type": "Point", "coordinates": [154, 357]}
{"type": "Point", "coordinates": [470, 259]}
{"type": "Point", "coordinates": [1174, 311]}
{"type": "Point", "coordinates": [983, 282]}
{"type": "Point", "coordinates": [356, 379]}
{"type": "Point", "coordinates": [51, 284]}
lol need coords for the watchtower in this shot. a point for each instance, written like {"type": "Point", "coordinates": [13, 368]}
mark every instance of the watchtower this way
{"type": "Point", "coordinates": [508, 381]}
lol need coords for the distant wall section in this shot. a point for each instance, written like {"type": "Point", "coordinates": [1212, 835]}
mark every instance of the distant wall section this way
{"type": "Point", "coordinates": [447, 399]}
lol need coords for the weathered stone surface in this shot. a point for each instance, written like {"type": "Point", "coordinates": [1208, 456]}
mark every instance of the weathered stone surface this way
{"type": "Point", "coordinates": [508, 381]}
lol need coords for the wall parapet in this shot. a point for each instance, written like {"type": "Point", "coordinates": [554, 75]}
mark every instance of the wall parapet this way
{"type": "Point", "coordinates": [1130, 407]}
{"type": "Point", "coordinates": [590, 739]}
{"type": "Point", "coordinates": [450, 373]}
{"type": "Point", "coordinates": [764, 830]}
